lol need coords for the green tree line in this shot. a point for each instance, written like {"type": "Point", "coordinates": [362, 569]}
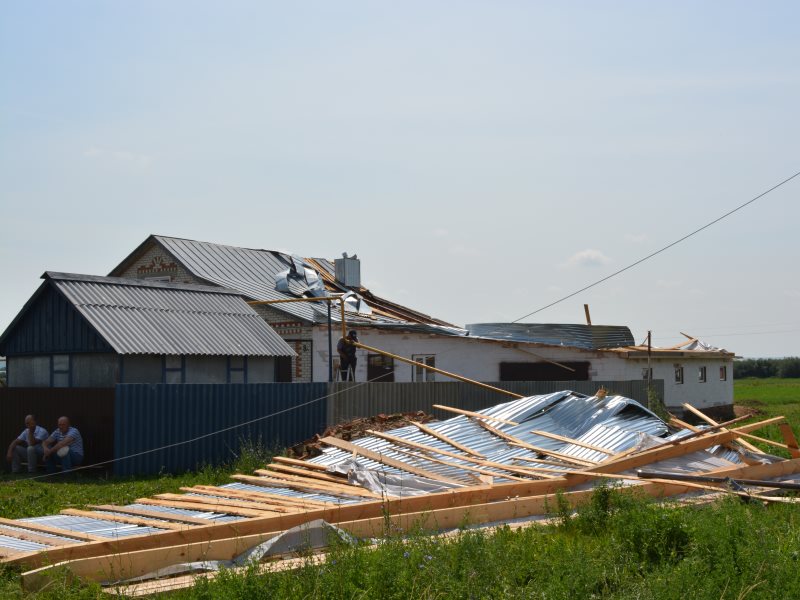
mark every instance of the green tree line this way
{"type": "Point", "coordinates": [767, 367]}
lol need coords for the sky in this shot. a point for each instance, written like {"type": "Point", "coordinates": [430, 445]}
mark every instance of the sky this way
{"type": "Point", "coordinates": [482, 159]}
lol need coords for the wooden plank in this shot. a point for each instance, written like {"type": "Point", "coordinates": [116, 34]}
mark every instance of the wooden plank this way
{"type": "Point", "coordinates": [78, 535]}
{"type": "Point", "coordinates": [201, 506]}
{"type": "Point", "coordinates": [30, 536]}
{"type": "Point", "coordinates": [385, 460]}
{"type": "Point", "coordinates": [523, 444]}
{"type": "Point", "coordinates": [299, 463]}
{"type": "Point", "coordinates": [441, 437]}
{"type": "Point", "coordinates": [292, 502]}
{"type": "Point", "coordinates": [139, 512]}
{"type": "Point", "coordinates": [321, 486]}
{"type": "Point", "coordinates": [266, 503]}
{"type": "Point", "coordinates": [130, 520]}
{"type": "Point", "coordinates": [294, 485]}
{"type": "Point", "coordinates": [216, 500]}
{"type": "Point", "coordinates": [430, 502]}
{"type": "Point", "coordinates": [460, 466]}
{"type": "Point", "coordinates": [416, 445]}
{"type": "Point", "coordinates": [338, 479]}
{"type": "Point", "coordinates": [791, 441]}
{"type": "Point", "coordinates": [474, 415]}
{"type": "Point", "coordinates": [567, 440]}
{"type": "Point", "coordinates": [140, 562]}
{"type": "Point", "coordinates": [701, 415]}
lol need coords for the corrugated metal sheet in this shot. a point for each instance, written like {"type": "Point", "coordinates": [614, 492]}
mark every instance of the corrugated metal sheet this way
{"type": "Point", "coordinates": [352, 400]}
{"type": "Point", "coordinates": [109, 529]}
{"type": "Point", "coordinates": [151, 416]}
{"type": "Point", "coordinates": [91, 410]}
{"type": "Point", "coordinates": [589, 337]}
{"type": "Point", "coordinates": [136, 317]}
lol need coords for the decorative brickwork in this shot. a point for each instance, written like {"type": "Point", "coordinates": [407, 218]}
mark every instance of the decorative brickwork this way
{"type": "Point", "coordinates": [298, 334]}
{"type": "Point", "coordinates": [157, 262]}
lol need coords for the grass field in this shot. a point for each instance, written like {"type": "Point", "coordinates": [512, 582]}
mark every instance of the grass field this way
{"type": "Point", "coordinates": [616, 548]}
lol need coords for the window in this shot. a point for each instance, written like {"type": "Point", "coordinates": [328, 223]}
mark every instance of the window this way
{"type": "Point", "coordinates": [723, 373]}
{"type": "Point", "coordinates": [701, 375]}
{"type": "Point", "coordinates": [420, 374]}
{"type": "Point", "coordinates": [237, 369]}
{"type": "Point", "coordinates": [647, 374]}
{"type": "Point", "coordinates": [174, 369]}
{"type": "Point", "coordinates": [678, 374]}
{"type": "Point", "coordinates": [160, 279]}
{"type": "Point", "coordinates": [380, 368]}
{"type": "Point", "coordinates": [60, 370]}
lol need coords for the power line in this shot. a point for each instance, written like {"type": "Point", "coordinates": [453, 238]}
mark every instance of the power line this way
{"type": "Point", "coordinates": [667, 247]}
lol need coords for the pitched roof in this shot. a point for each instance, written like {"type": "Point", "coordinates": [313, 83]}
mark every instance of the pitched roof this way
{"type": "Point", "coordinates": [142, 317]}
{"type": "Point", "coordinates": [253, 273]}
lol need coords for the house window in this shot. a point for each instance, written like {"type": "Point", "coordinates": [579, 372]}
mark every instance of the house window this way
{"type": "Point", "coordinates": [420, 374]}
{"type": "Point", "coordinates": [174, 369]}
{"type": "Point", "coordinates": [380, 368]}
{"type": "Point", "coordinates": [723, 373]}
{"type": "Point", "coordinates": [647, 374]}
{"type": "Point", "coordinates": [678, 374]}
{"type": "Point", "coordinates": [237, 369]}
{"type": "Point", "coordinates": [701, 375]}
{"type": "Point", "coordinates": [160, 279]}
{"type": "Point", "coordinates": [60, 370]}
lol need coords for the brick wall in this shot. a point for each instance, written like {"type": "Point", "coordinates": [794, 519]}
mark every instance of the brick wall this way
{"type": "Point", "coordinates": [157, 262]}
{"type": "Point", "coordinates": [298, 334]}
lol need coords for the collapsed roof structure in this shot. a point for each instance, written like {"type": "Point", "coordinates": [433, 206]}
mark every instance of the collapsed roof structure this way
{"type": "Point", "coordinates": [500, 465]}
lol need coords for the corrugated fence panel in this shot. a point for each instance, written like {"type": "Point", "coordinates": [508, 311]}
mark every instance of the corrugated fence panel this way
{"type": "Point", "coordinates": [90, 410]}
{"type": "Point", "coordinates": [196, 424]}
{"type": "Point", "coordinates": [352, 400]}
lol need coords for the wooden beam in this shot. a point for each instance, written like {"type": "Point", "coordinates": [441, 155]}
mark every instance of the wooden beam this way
{"type": "Point", "coordinates": [320, 486]}
{"type": "Point", "coordinates": [474, 415]}
{"type": "Point", "coordinates": [460, 466]}
{"type": "Point", "coordinates": [791, 441]}
{"type": "Point", "coordinates": [523, 444]}
{"type": "Point", "coordinates": [292, 502]}
{"type": "Point", "coordinates": [266, 503]}
{"type": "Point", "coordinates": [78, 535]}
{"type": "Point", "coordinates": [156, 514]}
{"type": "Point", "coordinates": [201, 506]}
{"type": "Point", "coordinates": [567, 440]}
{"type": "Point", "coordinates": [339, 479]}
{"type": "Point", "coordinates": [443, 438]}
{"type": "Point", "coordinates": [701, 415]}
{"type": "Point", "coordinates": [386, 460]}
{"type": "Point", "coordinates": [217, 500]}
{"type": "Point", "coordinates": [130, 520]}
{"type": "Point", "coordinates": [299, 463]}
{"type": "Point", "coordinates": [294, 485]}
{"type": "Point", "coordinates": [30, 536]}
{"type": "Point", "coordinates": [461, 497]}
{"type": "Point", "coordinates": [398, 441]}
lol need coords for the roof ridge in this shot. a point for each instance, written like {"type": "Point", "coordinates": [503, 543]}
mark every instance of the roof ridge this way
{"type": "Point", "coordinates": [143, 283]}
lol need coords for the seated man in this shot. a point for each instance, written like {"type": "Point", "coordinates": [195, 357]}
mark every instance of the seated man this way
{"type": "Point", "coordinates": [65, 445]}
{"type": "Point", "coordinates": [27, 446]}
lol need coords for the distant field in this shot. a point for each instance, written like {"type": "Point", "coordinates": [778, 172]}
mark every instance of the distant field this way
{"type": "Point", "coordinates": [770, 397]}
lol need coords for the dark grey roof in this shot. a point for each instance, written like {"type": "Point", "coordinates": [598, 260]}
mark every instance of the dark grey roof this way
{"type": "Point", "coordinates": [589, 337]}
{"type": "Point", "coordinates": [142, 317]}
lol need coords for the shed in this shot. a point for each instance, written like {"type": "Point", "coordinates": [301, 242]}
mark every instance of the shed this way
{"type": "Point", "coordinates": [88, 331]}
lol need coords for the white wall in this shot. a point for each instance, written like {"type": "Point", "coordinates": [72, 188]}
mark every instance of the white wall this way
{"type": "Point", "coordinates": [480, 360]}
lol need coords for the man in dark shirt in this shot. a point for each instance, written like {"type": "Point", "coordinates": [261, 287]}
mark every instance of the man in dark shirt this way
{"type": "Point", "coordinates": [347, 356]}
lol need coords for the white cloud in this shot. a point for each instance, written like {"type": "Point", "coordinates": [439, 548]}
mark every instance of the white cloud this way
{"type": "Point", "coordinates": [440, 232]}
{"type": "Point", "coordinates": [119, 156]}
{"type": "Point", "coordinates": [587, 258]}
{"type": "Point", "coordinates": [793, 293]}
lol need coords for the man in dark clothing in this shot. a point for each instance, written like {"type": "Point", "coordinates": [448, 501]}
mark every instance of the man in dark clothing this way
{"type": "Point", "coordinates": [347, 356]}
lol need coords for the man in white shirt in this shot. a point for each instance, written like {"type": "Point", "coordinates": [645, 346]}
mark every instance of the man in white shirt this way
{"type": "Point", "coordinates": [27, 446]}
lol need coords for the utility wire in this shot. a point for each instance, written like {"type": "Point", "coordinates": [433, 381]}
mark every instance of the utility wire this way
{"type": "Point", "coordinates": [667, 247]}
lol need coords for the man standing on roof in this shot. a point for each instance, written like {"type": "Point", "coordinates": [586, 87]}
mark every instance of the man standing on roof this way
{"type": "Point", "coordinates": [347, 356]}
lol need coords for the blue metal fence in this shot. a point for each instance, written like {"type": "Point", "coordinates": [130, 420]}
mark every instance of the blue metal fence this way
{"type": "Point", "coordinates": [149, 416]}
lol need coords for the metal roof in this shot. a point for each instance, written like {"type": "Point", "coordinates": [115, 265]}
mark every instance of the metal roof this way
{"type": "Point", "coordinates": [142, 317]}
{"type": "Point", "coordinates": [588, 337]}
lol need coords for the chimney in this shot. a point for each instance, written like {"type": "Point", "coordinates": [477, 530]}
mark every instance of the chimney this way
{"type": "Point", "coordinates": [348, 270]}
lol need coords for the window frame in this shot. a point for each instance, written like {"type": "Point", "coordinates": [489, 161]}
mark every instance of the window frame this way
{"type": "Point", "coordinates": [679, 375]}
{"type": "Point", "coordinates": [723, 373]}
{"type": "Point", "coordinates": [54, 371]}
{"type": "Point", "coordinates": [427, 375]}
{"type": "Point", "coordinates": [231, 369]}
{"type": "Point", "coordinates": [702, 375]}
{"type": "Point", "coordinates": [165, 370]}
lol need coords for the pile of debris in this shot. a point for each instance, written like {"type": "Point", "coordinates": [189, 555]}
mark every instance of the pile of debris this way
{"type": "Point", "coordinates": [509, 463]}
{"type": "Point", "coordinates": [357, 428]}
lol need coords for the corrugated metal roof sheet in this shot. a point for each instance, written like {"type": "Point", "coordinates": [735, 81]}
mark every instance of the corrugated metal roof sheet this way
{"type": "Point", "coordinates": [589, 337]}
{"type": "Point", "coordinates": [140, 317]}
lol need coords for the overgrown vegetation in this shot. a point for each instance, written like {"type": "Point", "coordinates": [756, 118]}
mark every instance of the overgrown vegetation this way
{"type": "Point", "coordinates": [788, 367]}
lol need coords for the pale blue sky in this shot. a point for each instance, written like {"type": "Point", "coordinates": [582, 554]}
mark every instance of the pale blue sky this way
{"type": "Point", "coordinates": [482, 159]}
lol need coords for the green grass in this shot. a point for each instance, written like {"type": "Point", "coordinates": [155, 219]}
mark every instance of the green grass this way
{"type": "Point", "coordinates": [21, 496]}
{"type": "Point", "coordinates": [770, 398]}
